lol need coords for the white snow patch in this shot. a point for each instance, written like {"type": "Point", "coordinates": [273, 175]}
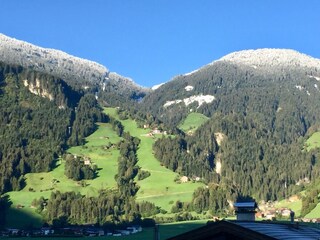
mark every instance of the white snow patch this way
{"type": "Point", "coordinates": [299, 87]}
{"type": "Point", "coordinates": [316, 86]}
{"type": "Point", "coordinates": [25, 83]}
{"type": "Point", "coordinates": [188, 74]}
{"type": "Point", "coordinates": [308, 93]}
{"type": "Point", "coordinates": [317, 78]}
{"type": "Point", "coordinates": [254, 66]}
{"type": "Point", "coordinates": [169, 103]}
{"type": "Point", "coordinates": [189, 88]}
{"type": "Point", "coordinates": [201, 99]}
{"type": "Point", "coordinates": [157, 86]}
{"type": "Point", "coordinates": [218, 166]}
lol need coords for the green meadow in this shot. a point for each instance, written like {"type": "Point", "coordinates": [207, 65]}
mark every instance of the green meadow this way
{"type": "Point", "coordinates": [313, 141]}
{"type": "Point", "coordinates": [42, 184]}
{"type": "Point", "coordinates": [159, 188]}
{"type": "Point", "coordinates": [294, 206]}
{"type": "Point", "coordinates": [165, 231]}
{"type": "Point", "coordinates": [192, 122]}
{"type": "Point", "coordinates": [315, 213]}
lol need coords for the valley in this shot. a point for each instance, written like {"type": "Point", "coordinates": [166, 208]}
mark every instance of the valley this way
{"type": "Point", "coordinates": [159, 188]}
{"type": "Point", "coordinates": [83, 145]}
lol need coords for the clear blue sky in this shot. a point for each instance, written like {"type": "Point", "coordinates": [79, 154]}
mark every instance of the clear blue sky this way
{"type": "Point", "coordinates": [153, 40]}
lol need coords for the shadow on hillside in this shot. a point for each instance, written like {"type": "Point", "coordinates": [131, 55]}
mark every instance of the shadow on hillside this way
{"type": "Point", "coordinates": [170, 230]}
{"type": "Point", "coordinates": [22, 218]}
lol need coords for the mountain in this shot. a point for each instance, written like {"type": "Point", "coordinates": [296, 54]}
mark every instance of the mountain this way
{"type": "Point", "coordinates": [219, 84]}
{"type": "Point", "coordinates": [48, 101]}
{"type": "Point", "coordinates": [72, 69]}
{"type": "Point", "coordinates": [258, 107]}
{"type": "Point", "coordinates": [262, 105]}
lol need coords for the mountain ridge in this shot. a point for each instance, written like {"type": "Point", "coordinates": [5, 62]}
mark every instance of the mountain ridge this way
{"type": "Point", "coordinates": [61, 64]}
{"type": "Point", "coordinates": [272, 57]}
{"type": "Point", "coordinates": [265, 57]}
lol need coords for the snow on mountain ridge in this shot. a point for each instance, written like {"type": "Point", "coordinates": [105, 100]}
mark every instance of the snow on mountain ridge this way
{"type": "Point", "coordinates": [267, 57]}
{"type": "Point", "coordinates": [272, 57]}
{"type": "Point", "coordinates": [59, 63]}
{"type": "Point", "coordinates": [157, 86]}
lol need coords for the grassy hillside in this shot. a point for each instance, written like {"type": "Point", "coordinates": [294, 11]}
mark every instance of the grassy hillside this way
{"type": "Point", "coordinates": [315, 213]}
{"type": "Point", "coordinates": [159, 188]}
{"type": "Point", "coordinates": [313, 142]}
{"type": "Point", "coordinates": [42, 184]}
{"type": "Point", "coordinates": [192, 122]}
{"type": "Point", "coordinates": [294, 206]}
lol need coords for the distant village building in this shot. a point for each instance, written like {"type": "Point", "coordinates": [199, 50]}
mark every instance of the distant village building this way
{"type": "Point", "coordinates": [156, 131]}
{"type": "Point", "coordinates": [285, 212]}
{"type": "Point", "coordinates": [184, 179]}
{"type": "Point", "coordinates": [87, 162]}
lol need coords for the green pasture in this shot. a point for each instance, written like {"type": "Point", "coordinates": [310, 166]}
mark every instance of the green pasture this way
{"type": "Point", "coordinates": [165, 230]}
{"type": "Point", "coordinates": [313, 141]}
{"type": "Point", "coordinates": [315, 213]}
{"type": "Point", "coordinates": [42, 184]}
{"type": "Point", "coordinates": [294, 206]}
{"type": "Point", "coordinates": [192, 122]}
{"type": "Point", "coordinates": [160, 188]}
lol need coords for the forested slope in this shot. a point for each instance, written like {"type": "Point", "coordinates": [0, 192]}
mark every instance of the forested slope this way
{"type": "Point", "coordinates": [39, 117]}
{"type": "Point", "coordinates": [264, 103]}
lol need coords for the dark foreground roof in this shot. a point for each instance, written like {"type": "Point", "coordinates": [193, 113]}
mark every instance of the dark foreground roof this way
{"type": "Point", "coordinates": [238, 230]}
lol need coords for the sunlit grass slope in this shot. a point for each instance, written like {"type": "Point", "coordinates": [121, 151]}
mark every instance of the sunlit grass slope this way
{"type": "Point", "coordinates": [42, 184]}
{"type": "Point", "coordinates": [160, 188]}
{"type": "Point", "coordinates": [192, 122]}
{"type": "Point", "coordinates": [294, 206]}
{"type": "Point", "coordinates": [313, 141]}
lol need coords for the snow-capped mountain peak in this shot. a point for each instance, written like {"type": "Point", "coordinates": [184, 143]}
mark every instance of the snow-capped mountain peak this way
{"type": "Point", "coordinates": [272, 57]}
{"type": "Point", "coordinates": [56, 62]}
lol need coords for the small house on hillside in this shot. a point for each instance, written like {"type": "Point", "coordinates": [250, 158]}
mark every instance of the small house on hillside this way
{"type": "Point", "coordinates": [184, 179]}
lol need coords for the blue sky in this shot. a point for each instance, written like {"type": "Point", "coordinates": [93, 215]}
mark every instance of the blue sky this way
{"type": "Point", "coordinates": [152, 41]}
